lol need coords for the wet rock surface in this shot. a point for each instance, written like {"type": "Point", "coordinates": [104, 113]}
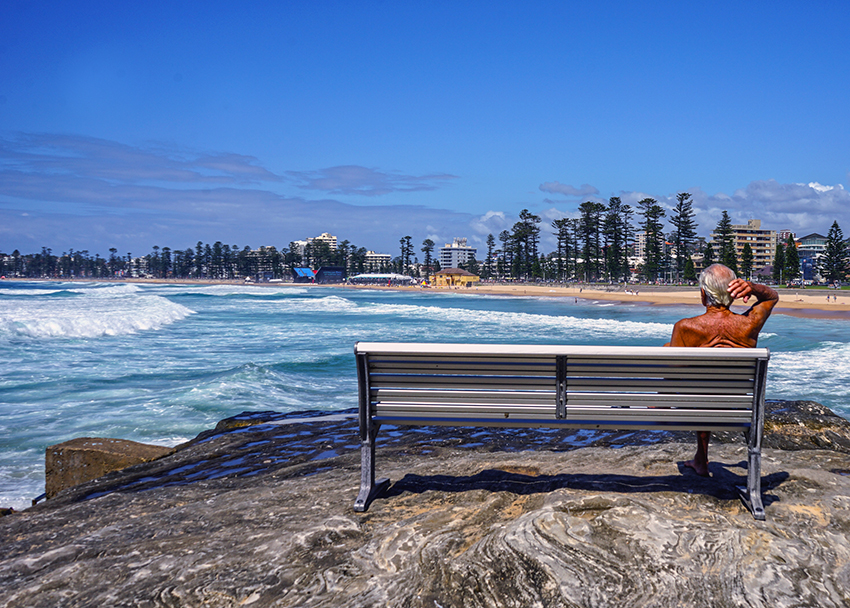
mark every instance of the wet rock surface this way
{"type": "Point", "coordinates": [262, 516]}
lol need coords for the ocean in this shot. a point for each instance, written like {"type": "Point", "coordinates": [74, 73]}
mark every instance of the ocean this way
{"type": "Point", "coordinates": [159, 363]}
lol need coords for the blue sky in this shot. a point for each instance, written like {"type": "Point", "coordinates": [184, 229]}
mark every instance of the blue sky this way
{"type": "Point", "coordinates": [134, 124]}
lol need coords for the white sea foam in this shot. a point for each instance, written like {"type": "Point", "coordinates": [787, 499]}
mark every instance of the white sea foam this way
{"type": "Point", "coordinates": [28, 292]}
{"type": "Point", "coordinates": [308, 305]}
{"type": "Point", "coordinates": [820, 373]}
{"type": "Point", "coordinates": [97, 313]}
{"type": "Point", "coordinates": [587, 328]}
{"type": "Point", "coordinates": [326, 304]}
{"type": "Point", "coordinates": [228, 290]}
{"type": "Point", "coordinates": [225, 290]}
{"type": "Point", "coordinates": [107, 291]}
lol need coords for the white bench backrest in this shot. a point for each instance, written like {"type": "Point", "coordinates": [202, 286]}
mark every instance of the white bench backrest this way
{"type": "Point", "coordinates": [555, 385]}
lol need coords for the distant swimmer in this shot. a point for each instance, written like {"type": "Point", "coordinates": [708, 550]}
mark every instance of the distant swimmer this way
{"type": "Point", "coordinates": [719, 327]}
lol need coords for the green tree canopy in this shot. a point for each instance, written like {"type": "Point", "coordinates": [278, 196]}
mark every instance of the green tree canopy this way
{"type": "Point", "coordinates": [747, 262]}
{"type": "Point", "coordinates": [792, 260]}
{"type": "Point", "coordinates": [725, 236]}
{"type": "Point", "coordinates": [779, 263]}
{"type": "Point", "coordinates": [652, 227]}
{"type": "Point", "coordinates": [685, 231]}
{"type": "Point", "coordinates": [833, 264]}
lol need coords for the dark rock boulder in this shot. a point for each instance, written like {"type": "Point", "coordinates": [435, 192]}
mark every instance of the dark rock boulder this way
{"type": "Point", "coordinates": [82, 459]}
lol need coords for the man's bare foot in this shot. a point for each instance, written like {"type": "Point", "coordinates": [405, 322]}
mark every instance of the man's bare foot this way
{"type": "Point", "coordinates": [700, 468]}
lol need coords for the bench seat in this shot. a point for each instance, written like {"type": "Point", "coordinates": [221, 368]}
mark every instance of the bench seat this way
{"type": "Point", "coordinates": [556, 386]}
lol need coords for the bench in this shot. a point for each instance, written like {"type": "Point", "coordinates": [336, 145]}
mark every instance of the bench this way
{"type": "Point", "coordinates": [590, 387]}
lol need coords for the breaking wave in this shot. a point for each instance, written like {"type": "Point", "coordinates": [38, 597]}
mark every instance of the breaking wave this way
{"type": "Point", "coordinates": [97, 312]}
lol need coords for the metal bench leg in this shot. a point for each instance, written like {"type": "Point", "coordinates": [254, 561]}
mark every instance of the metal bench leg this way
{"type": "Point", "coordinates": [751, 495]}
{"type": "Point", "coordinates": [369, 488]}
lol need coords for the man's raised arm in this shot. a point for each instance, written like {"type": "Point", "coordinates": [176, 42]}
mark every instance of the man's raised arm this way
{"type": "Point", "coordinates": [766, 298]}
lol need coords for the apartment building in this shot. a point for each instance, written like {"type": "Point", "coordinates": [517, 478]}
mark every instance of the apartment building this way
{"type": "Point", "coordinates": [762, 242]}
{"type": "Point", "coordinates": [325, 238]}
{"type": "Point", "coordinates": [376, 261]}
{"type": "Point", "coordinates": [457, 253]}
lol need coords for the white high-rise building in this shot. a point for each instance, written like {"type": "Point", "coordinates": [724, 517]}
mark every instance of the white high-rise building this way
{"type": "Point", "coordinates": [325, 238]}
{"type": "Point", "coordinates": [455, 254]}
{"type": "Point", "coordinates": [376, 261]}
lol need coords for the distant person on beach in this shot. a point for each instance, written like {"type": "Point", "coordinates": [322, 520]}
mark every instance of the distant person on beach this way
{"type": "Point", "coordinates": [719, 327]}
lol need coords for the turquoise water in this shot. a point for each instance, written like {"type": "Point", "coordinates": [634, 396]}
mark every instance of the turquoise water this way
{"type": "Point", "coordinates": [161, 363]}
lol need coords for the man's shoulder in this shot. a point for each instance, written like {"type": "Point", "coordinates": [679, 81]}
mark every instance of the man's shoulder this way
{"type": "Point", "coordinates": [692, 321]}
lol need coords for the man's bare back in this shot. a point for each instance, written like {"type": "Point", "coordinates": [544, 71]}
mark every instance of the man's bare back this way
{"type": "Point", "coordinates": [720, 327]}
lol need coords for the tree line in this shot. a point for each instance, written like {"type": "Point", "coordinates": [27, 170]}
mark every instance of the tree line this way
{"type": "Point", "coordinates": [598, 245]}
{"type": "Point", "coordinates": [208, 261]}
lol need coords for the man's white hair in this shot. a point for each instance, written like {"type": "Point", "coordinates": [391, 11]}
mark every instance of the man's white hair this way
{"type": "Point", "coordinates": [714, 281]}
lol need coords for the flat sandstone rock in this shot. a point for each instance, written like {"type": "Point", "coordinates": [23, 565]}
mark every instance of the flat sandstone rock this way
{"type": "Point", "coordinates": [262, 516]}
{"type": "Point", "coordinates": [82, 459]}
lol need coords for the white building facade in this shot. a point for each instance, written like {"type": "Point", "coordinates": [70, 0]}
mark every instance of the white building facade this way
{"type": "Point", "coordinates": [456, 254]}
{"type": "Point", "coordinates": [376, 261]}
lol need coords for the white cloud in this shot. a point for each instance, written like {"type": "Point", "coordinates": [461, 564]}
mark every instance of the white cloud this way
{"type": "Point", "coordinates": [801, 208]}
{"type": "Point", "coordinates": [821, 187]}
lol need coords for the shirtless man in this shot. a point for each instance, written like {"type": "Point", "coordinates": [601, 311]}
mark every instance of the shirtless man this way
{"type": "Point", "coordinates": [720, 327]}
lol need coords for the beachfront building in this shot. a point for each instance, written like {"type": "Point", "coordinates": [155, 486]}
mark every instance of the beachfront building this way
{"type": "Point", "coordinates": [812, 244]}
{"type": "Point", "coordinates": [377, 261]}
{"type": "Point", "coordinates": [325, 238]}
{"type": "Point", "coordinates": [300, 247]}
{"type": "Point", "coordinates": [263, 260]}
{"type": "Point", "coordinates": [762, 242]}
{"type": "Point", "coordinates": [454, 277]}
{"type": "Point", "coordinates": [139, 267]}
{"type": "Point", "coordinates": [809, 249]}
{"type": "Point", "coordinates": [456, 254]}
{"type": "Point", "coordinates": [388, 279]}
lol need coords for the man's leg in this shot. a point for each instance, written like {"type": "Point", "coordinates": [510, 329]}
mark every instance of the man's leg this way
{"type": "Point", "coordinates": [700, 462]}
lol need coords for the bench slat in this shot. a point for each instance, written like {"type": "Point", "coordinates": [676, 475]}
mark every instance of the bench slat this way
{"type": "Point", "coordinates": [707, 358]}
{"type": "Point", "coordinates": [468, 409]}
{"type": "Point", "coordinates": [460, 381]}
{"type": "Point", "coordinates": [680, 415]}
{"type": "Point", "coordinates": [653, 384]}
{"type": "Point", "coordinates": [607, 415]}
{"type": "Point", "coordinates": [713, 359]}
{"type": "Point", "coordinates": [465, 368]}
{"type": "Point", "coordinates": [692, 400]}
{"type": "Point", "coordinates": [627, 386]}
{"type": "Point", "coordinates": [679, 372]}
{"type": "Point", "coordinates": [381, 349]}
{"type": "Point", "coordinates": [514, 422]}
{"type": "Point", "coordinates": [573, 399]}
{"type": "Point", "coordinates": [471, 396]}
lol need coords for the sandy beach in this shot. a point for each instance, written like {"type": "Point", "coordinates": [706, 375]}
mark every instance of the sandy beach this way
{"type": "Point", "coordinates": [795, 302]}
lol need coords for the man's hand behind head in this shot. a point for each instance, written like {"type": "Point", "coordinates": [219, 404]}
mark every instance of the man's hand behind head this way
{"type": "Point", "coordinates": [739, 288]}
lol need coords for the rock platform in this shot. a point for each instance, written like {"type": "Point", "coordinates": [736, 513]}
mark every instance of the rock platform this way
{"type": "Point", "coordinates": [261, 515]}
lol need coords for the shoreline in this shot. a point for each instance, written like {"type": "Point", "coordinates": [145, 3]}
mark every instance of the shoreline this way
{"type": "Point", "coordinates": [796, 303]}
{"type": "Point", "coordinates": [805, 303]}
